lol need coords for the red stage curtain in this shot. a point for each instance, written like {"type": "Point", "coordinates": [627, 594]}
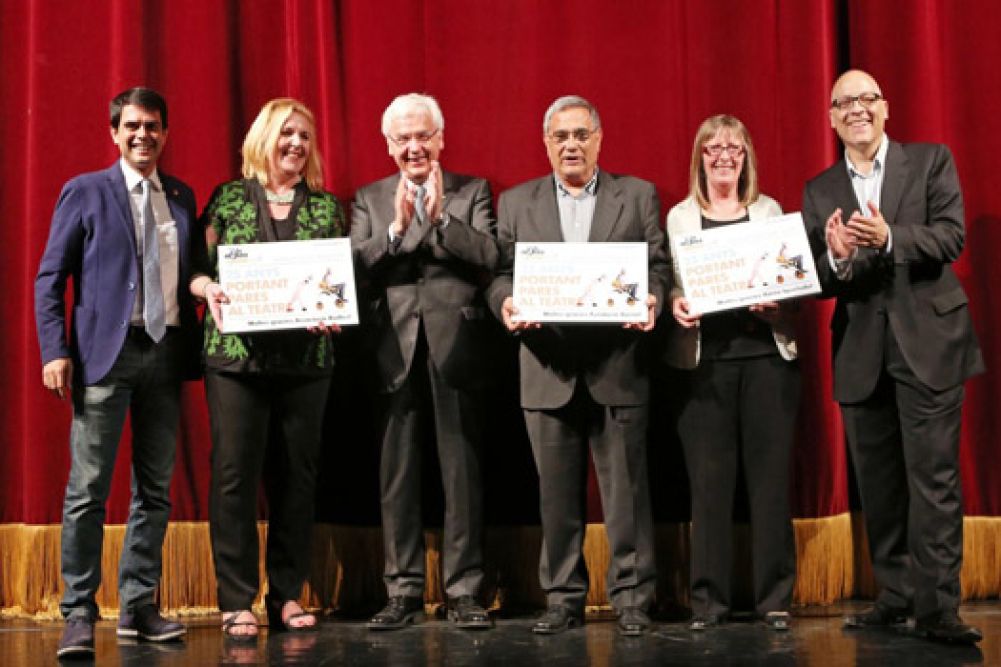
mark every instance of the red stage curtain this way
{"type": "Point", "coordinates": [654, 69]}
{"type": "Point", "coordinates": [940, 66]}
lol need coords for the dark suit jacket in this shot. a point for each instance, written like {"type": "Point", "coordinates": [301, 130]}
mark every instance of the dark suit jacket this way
{"type": "Point", "coordinates": [92, 239]}
{"type": "Point", "coordinates": [435, 278]}
{"type": "Point", "coordinates": [607, 357]}
{"type": "Point", "coordinates": [914, 284]}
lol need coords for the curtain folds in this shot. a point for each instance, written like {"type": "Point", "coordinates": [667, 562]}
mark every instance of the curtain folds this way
{"type": "Point", "coordinates": [654, 69]}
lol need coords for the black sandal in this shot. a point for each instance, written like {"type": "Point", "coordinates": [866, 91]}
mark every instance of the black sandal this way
{"type": "Point", "coordinates": [278, 624]}
{"type": "Point", "coordinates": [231, 622]}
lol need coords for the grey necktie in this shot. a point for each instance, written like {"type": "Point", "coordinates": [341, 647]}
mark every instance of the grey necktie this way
{"type": "Point", "coordinates": [419, 204]}
{"type": "Point", "coordinates": [154, 314]}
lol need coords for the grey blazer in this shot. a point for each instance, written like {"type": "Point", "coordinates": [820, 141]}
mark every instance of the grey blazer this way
{"type": "Point", "coordinates": [432, 277]}
{"type": "Point", "coordinates": [684, 345]}
{"type": "Point", "coordinates": [611, 360]}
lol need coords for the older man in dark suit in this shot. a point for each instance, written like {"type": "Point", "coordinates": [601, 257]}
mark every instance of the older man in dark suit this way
{"type": "Point", "coordinates": [886, 224]}
{"type": "Point", "coordinates": [424, 242]}
{"type": "Point", "coordinates": [587, 384]}
{"type": "Point", "coordinates": [126, 237]}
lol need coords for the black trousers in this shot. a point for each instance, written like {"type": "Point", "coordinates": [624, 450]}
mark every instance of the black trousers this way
{"type": "Point", "coordinates": [741, 411]}
{"type": "Point", "coordinates": [243, 410]}
{"type": "Point", "coordinates": [425, 394]}
{"type": "Point", "coordinates": [617, 439]}
{"type": "Point", "coordinates": [904, 441]}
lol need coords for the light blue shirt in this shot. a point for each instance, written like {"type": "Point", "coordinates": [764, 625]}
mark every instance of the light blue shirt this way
{"type": "Point", "coordinates": [577, 212]}
{"type": "Point", "coordinates": [868, 188]}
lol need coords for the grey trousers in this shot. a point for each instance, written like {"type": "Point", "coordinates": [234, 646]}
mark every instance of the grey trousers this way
{"type": "Point", "coordinates": [457, 434]}
{"type": "Point", "coordinates": [617, 436]}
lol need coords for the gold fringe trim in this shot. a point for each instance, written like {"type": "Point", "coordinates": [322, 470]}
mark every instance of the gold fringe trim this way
{"type": "Point", "coordinates": [825, 562]}
{"type": "Point", "coordinates": [597, 556]}
{"type": "Point", "coordinates": [346, 569]}
{"type": "Point", "coordinates": [29, 571]}
{"type": "Point", "coordinates": [981, 574]}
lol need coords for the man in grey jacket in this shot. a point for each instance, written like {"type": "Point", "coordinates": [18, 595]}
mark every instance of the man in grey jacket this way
{"type": "Point", "coordinates": [424, 243]}
{"type": "Point", "coordinates": [587, 384]}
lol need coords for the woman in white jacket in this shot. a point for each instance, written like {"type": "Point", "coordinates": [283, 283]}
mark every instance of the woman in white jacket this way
{"type": "Point", "coordinates": [740, 402]}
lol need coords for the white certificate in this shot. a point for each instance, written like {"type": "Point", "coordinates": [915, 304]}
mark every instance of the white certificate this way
{"type": "Point", "coordinates": [746, 263]}
{"type": "Point", "coordinates": [580, 282]}
{"type": "Point", "coordinates": [287, 285]}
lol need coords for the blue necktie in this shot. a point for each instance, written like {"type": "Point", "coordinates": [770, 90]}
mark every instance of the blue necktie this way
{"type": "Point", "coordinates": [154, 313]}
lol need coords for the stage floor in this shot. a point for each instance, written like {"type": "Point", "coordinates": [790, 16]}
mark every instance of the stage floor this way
{"type": "Point", "coordinates": [816, 639]}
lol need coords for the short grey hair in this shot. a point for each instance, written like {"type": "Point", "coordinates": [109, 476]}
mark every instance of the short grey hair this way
{"type": "Point", "coordinates": [405, 103]}
{"type": "Point", "coordinates": [570, 102]}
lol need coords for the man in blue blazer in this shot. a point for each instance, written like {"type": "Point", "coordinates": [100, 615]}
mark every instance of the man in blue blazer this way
{"type": "Point", "coordinates": [126, 237]}
{"type": "Point", "coordinates": [886, 224]}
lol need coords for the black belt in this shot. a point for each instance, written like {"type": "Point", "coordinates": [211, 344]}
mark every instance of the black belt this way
{"type": "Point", "coordinates": [137, 332]}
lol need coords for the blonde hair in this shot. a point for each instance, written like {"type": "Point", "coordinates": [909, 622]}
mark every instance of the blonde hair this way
{"type": "Point", "coordinates": [262, 137]}
{"type": "Point", "coordinates": [747, 183]}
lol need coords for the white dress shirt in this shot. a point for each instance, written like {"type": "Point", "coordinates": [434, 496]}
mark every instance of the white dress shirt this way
{"type": "Point", "coordinates": [166, 233]}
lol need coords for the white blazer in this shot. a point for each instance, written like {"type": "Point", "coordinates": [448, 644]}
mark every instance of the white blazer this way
{"type": "Point", "coordinates": [684, 345]}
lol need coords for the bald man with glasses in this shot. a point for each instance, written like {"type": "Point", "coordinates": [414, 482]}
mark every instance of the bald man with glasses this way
{"type": "Point", "coordinates": [886, 224]}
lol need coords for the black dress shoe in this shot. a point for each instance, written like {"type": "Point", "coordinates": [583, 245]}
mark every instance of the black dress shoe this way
{"type": "Point", "coordinates": [77, 640]}
{"type": "Point", "coordinates": [948, 628]}
{"type": "Point", "coordinates": [467, 613]}
{"type": "Point", "coordinates": [876, 616]}
{"type": "Point", "coordinates": [779, 621]}
{"type": "Point", "coordinates": [147, 623]}
{"type": "Point", "coordinates": [702, 622]}
{"type": "Point", "coordinates": [399, 612]}
{"type": "Point", "coordinates": [558, 618]}
{"type": "Point", "coordinates": [633, 622]}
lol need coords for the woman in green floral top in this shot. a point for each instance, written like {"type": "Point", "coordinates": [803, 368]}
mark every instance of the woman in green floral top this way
{"type": "Point", "coordinates": [261, 383]}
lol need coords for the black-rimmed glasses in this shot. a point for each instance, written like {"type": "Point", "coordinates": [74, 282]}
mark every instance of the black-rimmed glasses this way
{"type": "Point", "coordinates": [846, 102]}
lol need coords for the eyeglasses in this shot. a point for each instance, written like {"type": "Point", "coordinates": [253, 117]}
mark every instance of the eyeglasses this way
{"type": "Point", "coordinates": [422, 138]}
{"type": "Point", "coordinates": [580, 135]}
{"type": "Point", "coordinates": [846, 102]}
{"type": "Point", "coordinates": [715, 150]}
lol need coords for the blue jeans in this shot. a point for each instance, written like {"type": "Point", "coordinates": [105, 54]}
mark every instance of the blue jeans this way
{"type": "Point", "coordinates": [145, 382]}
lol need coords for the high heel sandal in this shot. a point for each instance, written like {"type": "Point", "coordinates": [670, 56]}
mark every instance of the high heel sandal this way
{"type": "Point", "coordinates": [278, 624]}
{"type": "Point", "coordinates": [232, 622]}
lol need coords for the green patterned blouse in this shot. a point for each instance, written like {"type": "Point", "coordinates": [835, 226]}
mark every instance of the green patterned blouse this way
{"type": "Point", "coordinates": [234, 215]}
